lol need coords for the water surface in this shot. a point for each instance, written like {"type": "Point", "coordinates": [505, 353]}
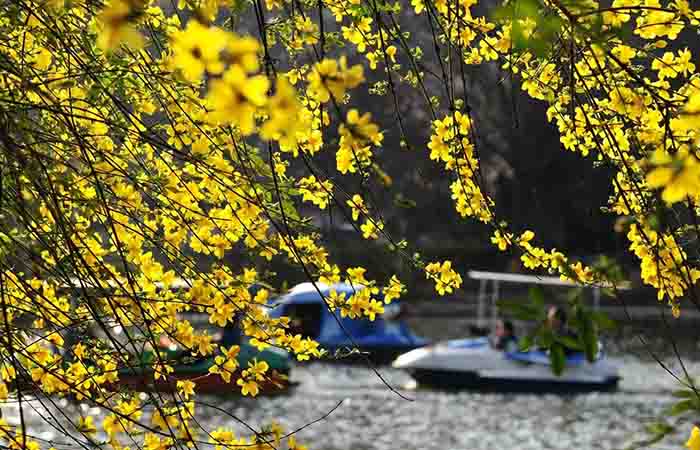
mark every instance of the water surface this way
{"type": "Point", "coordinates": [372, 417]}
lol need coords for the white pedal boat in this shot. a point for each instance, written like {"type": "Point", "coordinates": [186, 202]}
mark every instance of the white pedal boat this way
{"type": "Point", "coordinates": [474, 364]}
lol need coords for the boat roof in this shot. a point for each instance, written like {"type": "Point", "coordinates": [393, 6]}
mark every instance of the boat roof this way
{"type": "Point", "coordinates": [534, 279]}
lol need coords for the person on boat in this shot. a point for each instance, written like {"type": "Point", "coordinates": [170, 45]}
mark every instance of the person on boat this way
{"type": "Point", "coordinates": [504, 337]}
{"type": "Point", "coordinates": [232, 332]}
{"type": "Point", "coordinates": [556, 319]}
{"type": "Point", "coordinates": [304, 319]}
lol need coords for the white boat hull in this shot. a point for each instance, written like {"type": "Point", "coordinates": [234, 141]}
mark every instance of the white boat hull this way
{"type": "Point", "coordinates": [473, 364]}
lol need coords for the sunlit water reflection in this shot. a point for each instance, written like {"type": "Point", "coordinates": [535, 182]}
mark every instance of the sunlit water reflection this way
{"type": "Point", "coordinates": [371, 416]}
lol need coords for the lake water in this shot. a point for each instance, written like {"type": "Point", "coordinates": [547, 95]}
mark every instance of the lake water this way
{"type": "Point", "coordinates": [372, 417]}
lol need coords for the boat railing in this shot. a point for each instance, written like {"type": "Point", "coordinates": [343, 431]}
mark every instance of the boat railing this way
{"type": "Point", "coordinates": [494, 279]}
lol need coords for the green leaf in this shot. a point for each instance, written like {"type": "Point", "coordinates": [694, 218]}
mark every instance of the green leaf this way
{"type": "Point", "coordinates": [570, 342]}
{"type": "Point", "coordinates": [683, 393]}
{"type": "Point", "coordinates": [574, 295]}
{"type": "Point", "coordinates": [603, 321]}
{"type": "Point", "coordinates": [588, 334]}
{"type": "Point", "coordinates": [681, 407]}
{"type": "Point", "coordinates": [546, 28]}
{"type": "Point", "coordinates": [518, 309]}
{"type": "Point", "coordinates": [557, 358]}
{"type": "Point", "coordinates": [290, 210]}
{"type": "Point", "coordinates": [659, 428]}
{"type": "Point", "coordinates": [536, 295]}
{"type": "Point", "coordinates": [403, 202]}
{"type": "Point", "coordinates": [526, 342]}
{"type": "Point", "coordinates": [546, 337]}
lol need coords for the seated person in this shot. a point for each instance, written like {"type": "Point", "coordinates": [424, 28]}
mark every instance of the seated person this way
{"type": "Point", "coordinates": [504, 337]}
{"type": "Point", "coordinates": [232, 334]}
{"type": "Point", "coordinates": [304, 320]}
{"type": "Point", "coordinates": [556, 318]}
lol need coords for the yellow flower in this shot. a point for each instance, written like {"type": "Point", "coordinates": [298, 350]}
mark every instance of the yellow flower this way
{"type": "Point", "coordinates": [243, 51]}
{"type": "Point", "coordinates": [170, 420]}
{"type": "Point", "coordinates": [525, 238]}
{"type": "Point", "coordinates": [693, 442]}
{"type": "Point", "coordinates": [445, 278]}
{"type": "Point", "coordinates": [418, 6]}
{"type": "Point", "coordinates": [248, 387]}
{"type": "Point", "coordinates": [331, 77]}
{"type": "Point", "coordinates": [357, 206]}
{"type": "Point", "coordinates": [502, 240]}
{"type": "Point", "coordinates": [43, 59]}
{"type": "Point", "coordinates": [221, 312]}
{"type": "Point", "coordinates": [393, 290]}
{"type": "Point", "coordinates": [258, 369]}
{"type": "Point", "coordinates": [154, 442]}
{"type": "Point", "coordinates": [361, 128]}
{"type": "Point", "coordinates": [352, 154]}
{"type": "Point", "coordinates": [356, 304]}
{"type": "Point", "coordinates": [87, 425]}
{"type": "Point", "coordinates": [624, 53]}
{"type": "Point", "coordinates": [283, 112]}
{"type": "Point", "coordinates": [236, 98]}
{"type": "Point", "coordinates": [315, 191]}
{"type": "Point", "coordinates": [391, 52]}
{"type": "Point", "coordinates": [373, 308]}
{"type": "Point", "coordinates": [232, 353]}
{"type": "Point", "coordinates": [186, 388]}
{"type": "Point", "coordinates": [79, 351]}
{"type": "Point", "coordinates": [665, 66]}
{"type": "Point", "coordinates": [356, 276]}
{"type": "Point", "coordinates": [55, 338]}
{"type": "Point", "coordinates": [116, 25]}
{"type": "Point", "coordinates": [111, 424]}
{"type": "Point", "coordinates": [370, 229]}
{"type": "Point", "coordinates": [678, 176]}
{"type": "Point", "coordinates": [8, 372]}
{"type": "Point", "coordinates": [335, 299]}
{"type": "Point", "coordinates": [198, 48]}
{"type": "Point", "coordinates": [689, 118]}
{"type": "Point", "coordinates": [293, 445]}
{"type": "Point", "coordinates": [358, 33]}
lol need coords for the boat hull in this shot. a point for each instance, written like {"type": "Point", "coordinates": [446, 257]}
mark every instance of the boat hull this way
{"type": "Point", "coordinates": [446, 380]}
{"type": "Point", "coordinates": [375, 355]}
{"type": "Point", "coordinates": [141, 376]}
{"type": "Point", "coordinates": [206, 383]}
{"type": "Point", "coordinates": [474, 364]}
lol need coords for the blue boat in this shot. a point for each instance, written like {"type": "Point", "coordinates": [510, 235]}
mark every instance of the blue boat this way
{"type": "Point", "coordinates": [380, 340]}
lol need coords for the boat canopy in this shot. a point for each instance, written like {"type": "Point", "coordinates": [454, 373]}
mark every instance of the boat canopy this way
{"type": "Point", "coordinates": [332, 329]}
{"type": "Point", "coordinates": [496, 278]}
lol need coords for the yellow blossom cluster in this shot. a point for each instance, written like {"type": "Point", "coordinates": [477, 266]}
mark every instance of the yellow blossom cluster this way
{"type": "Point", "coordinates": [534, 257]}
{"type": "Point", "coordinates": [663, 263]}
{"type": "Point", "coordinates": [372, 225]}
{"type": "Point", "coordinates": [357, 134]}
{"type": "Point", "coordinates": [446, 279]}
{"type": "Point", "coordinates": [632, 106]}
{"type": "Point", "coordinates": [331, 78]}
{"type": "Point", "coordinates": [152, 162]}
{"type": "Point", "coordinates": [450, 144]}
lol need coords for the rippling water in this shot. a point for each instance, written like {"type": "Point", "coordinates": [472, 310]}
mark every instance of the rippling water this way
{"type": "Point", "coordinates": [371, 416]}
